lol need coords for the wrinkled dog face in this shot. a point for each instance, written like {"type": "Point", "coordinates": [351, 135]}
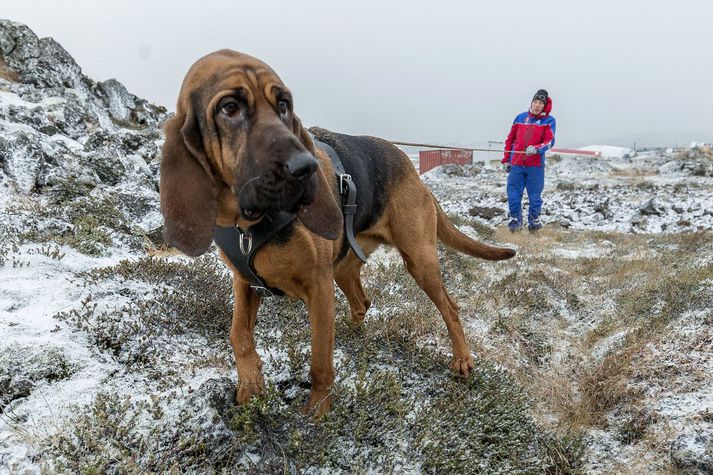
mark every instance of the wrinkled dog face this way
{"type": "Point", "coordinates": [255, 149]}
{"type": "Point", "coordinates": [236, 145]}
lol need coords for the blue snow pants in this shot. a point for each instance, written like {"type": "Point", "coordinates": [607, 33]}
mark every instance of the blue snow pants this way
{"type": "Point", "coordinates": [519, 179]}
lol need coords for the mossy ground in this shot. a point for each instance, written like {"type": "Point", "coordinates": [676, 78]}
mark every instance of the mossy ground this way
{"type": "Point", "coordinates": [70, 215]}
{"type": "Point", "coordinates": [396, 405]}
{"type": "Point", "coordinates": [534, 324]}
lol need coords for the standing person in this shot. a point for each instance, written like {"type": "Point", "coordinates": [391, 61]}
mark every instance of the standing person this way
{"type": "Point", "coordinates": [532, 134]}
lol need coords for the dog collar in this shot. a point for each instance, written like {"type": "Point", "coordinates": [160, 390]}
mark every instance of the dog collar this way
{"type": "Point", "coordinates": [241, 245]}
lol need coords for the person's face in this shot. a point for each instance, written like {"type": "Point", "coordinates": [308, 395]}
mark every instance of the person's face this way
{"type": "Point", "coordinates": [537, 107]}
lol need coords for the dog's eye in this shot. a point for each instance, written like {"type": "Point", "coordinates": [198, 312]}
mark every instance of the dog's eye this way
{"type": "Point", "coordinates": [230, 108]}
{"type": "Point", "coordinates": [283, 106]}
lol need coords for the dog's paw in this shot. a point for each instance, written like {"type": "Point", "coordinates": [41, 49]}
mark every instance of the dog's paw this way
{"type": "Point", "coordinates": [248, 389]}
{"type": "Point", "coordinates": [319, 404]}
{"type": "Point", "coordinates": [462, 365]}
{"type": "Point", "coordinates": [359, 312]}
{"type": "Point", "coordinates": [358, 318]}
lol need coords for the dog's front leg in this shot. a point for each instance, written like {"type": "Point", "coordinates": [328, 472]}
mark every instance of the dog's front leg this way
{"type": "Point", "coordinates": [320, 304]}
{"type": "Point", "coordinates": [247, 361]}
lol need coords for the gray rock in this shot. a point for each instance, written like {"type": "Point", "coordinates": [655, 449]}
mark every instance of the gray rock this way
{"type": "Point", "coordinates": [136, 206]}
{"type": "Point", "coordinates": [692, 451]}
{"type": "Point", "coordinates": [33, 117]}
{"type": "Point", "coordinates": [646, 186]}
{"type": "Point", "coordinates": [566, 186]}
{"type": "Point", "coordinates": [603, 208]}
{"type": "Point", "coordinates": [651, 208]}
{"type": "Point", "coordinates": [700, 168]}
{"type": "Point", "coordinates": [65, 136]}
{"type": "Point", "coordinates": [639, 220]}
{"type": "Point", "coordinates": [670, 167]}
{"type": "Point", "coordinates": [486, 212]}
{"type": "Point", "coordinates": [22, 368]}
{"type": "Point", "coordinates": [453, 170]}
{"type": "Point", "coordinates": [40, 62]}
{"type": "Point", "coordinates": [76, 118]}
{"type": "Point", "coordinates": [564, 222]}
{"type": "Point", "coordinates": [21, 158]}
{"type": "Point", "coordinates": [117, 99]}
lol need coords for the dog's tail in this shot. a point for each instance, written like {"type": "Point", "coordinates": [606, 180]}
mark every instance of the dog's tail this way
{"type": "Point", "coordinates": [453, 238]}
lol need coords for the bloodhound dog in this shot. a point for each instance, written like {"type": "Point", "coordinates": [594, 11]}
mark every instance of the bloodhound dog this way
{"type": "Point", "coordinates": [235, 151]}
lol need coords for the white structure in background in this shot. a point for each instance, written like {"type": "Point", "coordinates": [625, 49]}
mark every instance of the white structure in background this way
{"type": "Point", "coordinates": [610, 151]}
{"type": "Point", "coordinates": [700, 144]}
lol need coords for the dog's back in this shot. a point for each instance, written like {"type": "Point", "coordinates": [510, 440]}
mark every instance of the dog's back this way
{"type": "Point", "coordinates": [375, 166]}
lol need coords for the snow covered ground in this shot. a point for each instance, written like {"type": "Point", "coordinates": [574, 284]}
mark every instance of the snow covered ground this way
{"type": "Point", "coordinates": [637, 195]}
{"type": "Point", "coordinates": [110, 357]}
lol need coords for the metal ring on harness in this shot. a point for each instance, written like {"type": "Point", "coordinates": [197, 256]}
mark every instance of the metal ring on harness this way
{"type": "Point", "coordinates": [245, 241]}
{"type": "Point", "coordinates": [261, 291]}
{"type": "Point", "coordinates": [344, 179]}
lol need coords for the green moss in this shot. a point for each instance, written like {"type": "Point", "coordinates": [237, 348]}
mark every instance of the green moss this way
{"type": "Point", "coordinates": [92, 220]}
{"type": "Point", "coordinates": [64, 191]}
{"type": "Point", "coordinates": [87, 237]}
{"type": "Point", "coordinates": [200, 290]}
{"type": "Point", "coordinates": [180, 298]}
{"type": "Point", "coordinates": [132, 124]}
{"type": "Point", "coordinates": [396, 406]}
{"type": "Point", "coordinates": [103, 439]}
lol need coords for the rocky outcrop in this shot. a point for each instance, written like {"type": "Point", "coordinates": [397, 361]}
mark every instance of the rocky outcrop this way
{"type": "Point", "coordinates": [65, 138]}
{"type": "Point", "coordinates": [23, 367]}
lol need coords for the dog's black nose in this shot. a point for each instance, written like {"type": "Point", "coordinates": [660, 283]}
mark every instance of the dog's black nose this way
{"type": "Point", "coordinates": [302, 165]}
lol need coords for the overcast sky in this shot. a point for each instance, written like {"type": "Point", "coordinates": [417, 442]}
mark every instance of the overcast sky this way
{"type": "Point", "coordinates": [454, 72]}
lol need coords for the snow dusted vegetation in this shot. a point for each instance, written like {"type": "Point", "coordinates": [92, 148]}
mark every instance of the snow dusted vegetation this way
{"type": "Point", "coordinates": [594, 345]}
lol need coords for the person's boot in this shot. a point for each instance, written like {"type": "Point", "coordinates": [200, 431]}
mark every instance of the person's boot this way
{"type": "Point", "coordinates": [515, 223]}
{"type": "Point", "coordinates": [534, 223]}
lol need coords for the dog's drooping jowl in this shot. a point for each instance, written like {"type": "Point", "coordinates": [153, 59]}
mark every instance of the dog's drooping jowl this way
{"type": "Point", "coordinates": [236, 154]}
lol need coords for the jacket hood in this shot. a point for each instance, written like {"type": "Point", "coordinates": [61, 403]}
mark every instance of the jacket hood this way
{"type": "Point", "coordinates": [546, 111]}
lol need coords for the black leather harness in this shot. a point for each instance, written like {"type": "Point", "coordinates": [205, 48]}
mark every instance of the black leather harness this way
{"type": "Point", "coordinates": [348, 192]}
{"type": "Point", "coordinates": [241, 245]}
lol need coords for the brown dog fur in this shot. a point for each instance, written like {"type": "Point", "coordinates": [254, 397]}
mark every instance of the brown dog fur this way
{"type": "Point", "coordinates": [206, 160]}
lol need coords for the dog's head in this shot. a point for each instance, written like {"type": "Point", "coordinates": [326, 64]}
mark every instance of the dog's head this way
{"type": "Point", "coordinates": [235, 129]}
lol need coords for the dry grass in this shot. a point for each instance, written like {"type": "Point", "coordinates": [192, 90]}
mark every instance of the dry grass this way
{"type": "Point", "coordinates": [608, 348]}
{"type": "Point", "coordinates": [603, 387]}
{"type": "Point", "coordinates": [7, 73]}
{"type": "Point", "coordinates": [632, 173]}
{"type": "Point", "coordinates": [698, 152]}
{"type": "Point", "coordinates": [163, 251]}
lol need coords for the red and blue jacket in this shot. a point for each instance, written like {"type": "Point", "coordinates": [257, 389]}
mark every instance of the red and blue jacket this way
{"type": "Point", "coordinates": [528, 129]}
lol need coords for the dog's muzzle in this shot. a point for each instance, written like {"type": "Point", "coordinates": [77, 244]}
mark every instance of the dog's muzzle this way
{"type": "Point", "coordinates": [286, 188]}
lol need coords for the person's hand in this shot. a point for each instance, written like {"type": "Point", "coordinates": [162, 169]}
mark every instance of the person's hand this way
{"type": "Point", "coordinates": [530, 150]}
{"type": "Point", "coordinates": [507, 167]}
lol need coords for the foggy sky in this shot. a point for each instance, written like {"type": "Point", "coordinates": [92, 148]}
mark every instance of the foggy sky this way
{"type": "Point", "coordinates": [452, 72]}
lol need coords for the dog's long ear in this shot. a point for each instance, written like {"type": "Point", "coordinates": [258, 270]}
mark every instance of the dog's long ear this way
{"type": "Point", "coordinates": [189, 202]}
{"type": "Point", "coordinates": [323, 216]}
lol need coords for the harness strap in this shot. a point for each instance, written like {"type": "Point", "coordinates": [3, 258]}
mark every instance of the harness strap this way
{"type": "Point", "coordinates": [249, 241]}
{"type": "Point", "coordinates": [348, 192]}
